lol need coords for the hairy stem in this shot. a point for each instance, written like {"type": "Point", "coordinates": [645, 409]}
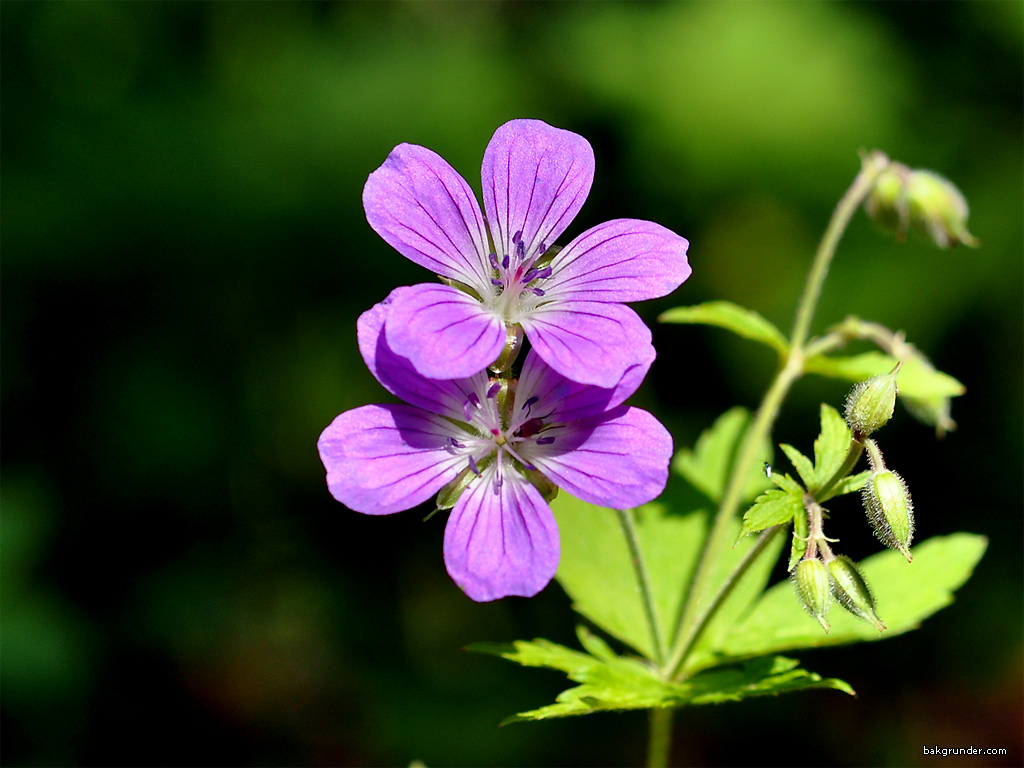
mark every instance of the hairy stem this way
{"type": "Point", "coordinates": [698, 610]}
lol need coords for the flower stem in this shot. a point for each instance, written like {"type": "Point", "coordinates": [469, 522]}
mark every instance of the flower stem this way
{"type": "Point", "coordinates": [701, 604]}
{"type": "Point", "coordinates": [660, 741]}
{"type": "Point", "coordinates": [636, 555]}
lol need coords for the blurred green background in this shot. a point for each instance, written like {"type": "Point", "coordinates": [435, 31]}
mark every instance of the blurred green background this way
{"type": "Point", "coordinates": [184, 256]}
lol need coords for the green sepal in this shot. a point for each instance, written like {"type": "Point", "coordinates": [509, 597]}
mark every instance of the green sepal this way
{"type": "Point", "coordinates": [450, 493]}
{"type": "Point", "coordinates": [609, 682]}
{"type": "Point", "coordinates": [724, 314]}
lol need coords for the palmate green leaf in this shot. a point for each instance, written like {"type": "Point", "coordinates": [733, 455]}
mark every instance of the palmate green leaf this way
{"type": "Point", "coordinates": [597, 572]}
{"type": "Point", "coordinates": [609, 682]}
{"type": "Point", "coordinates": [907, 593]}
{"type": "Point", "coordinates": [707, 466]}
{"type": "Point", "coordinates": [596, 568]}
{"type": "Point", "coordinates": [917, 378]}
{"type": "Point", "coordinates": [803, 465]}
{"type": "Point", "coordinates": [733, 317]}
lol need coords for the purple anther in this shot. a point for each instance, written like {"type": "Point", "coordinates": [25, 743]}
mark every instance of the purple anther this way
{"type": "Point", "coordinates": [467, 407]}
{"type": "Point", "coordinates": [542, 273]}
{"type": "Point", "coordinates": [493, 259]}
{"type": "Point", "coordinates": [455, 443]}
{"type": "Point", "coordinates": [494, 389]}
{"type": "Point", "coordinates": [472, 466]}
{"type": "Point", "coordinates": [537, 291]}
{"type": "Point", "coordinates": [497, 282]}
{"type": "Point", "coordinates": [543, 248]}
{"type": "Point", "coordinates": [545, 440]}
{"type": "Point", "coordinates": [504, 262]}
{"type": "Point", "coordinates": [521, 250]}
{"type": "Point", "coordinates": [530, 401]}
{"type": "Point", "coordinates": [517, 237]}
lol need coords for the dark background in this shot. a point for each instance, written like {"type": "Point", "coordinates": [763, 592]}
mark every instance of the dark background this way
{"type": "Point", "coordinates": [184, 258]}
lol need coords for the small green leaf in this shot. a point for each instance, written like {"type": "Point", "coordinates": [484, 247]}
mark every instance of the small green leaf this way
{"type": "Point", "coordinates": [801, 463]}
{"type": "Point", "coordinates": [613, 682]}
{"type": "Point", "coordinates": [906, 594]}
{"type": "Point", "coordinates": [775, 507]}
{"type": "Point", "coordinates": [831, 446]}
{"type": "Point", "coordinates": [733, 317]}
{"type": "Point", "coordinates": [787, 483]}
{"type": "Point", "coordinates": [848, 484]}
{"type": "Point", "coordinates": [707, 465]}
{"type": "Point", "coordinates": [917, 378]}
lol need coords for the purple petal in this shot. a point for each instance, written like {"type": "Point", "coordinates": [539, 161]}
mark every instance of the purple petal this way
{"type": "Point", "coordinates": [400, 378]}
{"type": "Point", "coordinates": [566, 400]}
{"type": "Point", "coordinates": [588, 341]}
{"type": "Point", "coordinates": [621, 260]}
{"type": "Point", "coordinates": [501, 541]}
{"type": "Point", "coordinates": [618, 461]}
{"type": "Point", "coordinates": [535, 180]}
{"type": "Point", "coordinates": [427, 212]}
{"type": "Point", "coordinates": [385, 458]}
{"type": "Point", "coordinates": [443, 332]}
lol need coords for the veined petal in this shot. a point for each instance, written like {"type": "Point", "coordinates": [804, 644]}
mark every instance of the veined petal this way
{"type": "Point", "coordinates": [566, 400]}
{"type": "Point", "coordinates": [385, 458]}
{"type": "Point", "coordinates": [443, 332]}
{"type": "Point", "coordinates": [400, 378]}
{"type": "Point", "coordinates": [501, 540]}
{"type": "Point", "coordinates": [620, 260]}
{"type": "Point", "coordinates": [589, 342]}
{"type": "Point", "coordinates": [535, 180]}
{"type": "Point", "coordinates": [427, 212]}
{"type": "Point", "coordinates": [619, 460]}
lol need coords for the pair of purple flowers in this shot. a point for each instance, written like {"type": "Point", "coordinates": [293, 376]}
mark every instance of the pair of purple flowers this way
{"type": "Point", "coordinates": [495, 448]}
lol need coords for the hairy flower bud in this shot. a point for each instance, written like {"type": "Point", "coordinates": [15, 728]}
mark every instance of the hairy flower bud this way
{"type": "Point", "coordinates": [890, 510]}
{"type": "Point", "coordinates": [870, 403]}
{"type": "Point", "coordinates": [903, 198]}
{"type": "Point", "coordinates": [810, 579]}
{"type": "Point", "coordinates": [850, 589]}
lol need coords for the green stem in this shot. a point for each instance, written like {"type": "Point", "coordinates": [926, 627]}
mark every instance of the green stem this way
{"type": "Point", "coordinates": [698, 612]}
{"type": "Point", "coordinates": [636, 555]}
{"type": "Point", "coordinates": [660, 741]}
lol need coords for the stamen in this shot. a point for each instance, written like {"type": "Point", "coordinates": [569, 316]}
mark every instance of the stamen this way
{"type": "Point", "coordinates": [504, 262]}
{"type": "Point", "coordinates": [472, 466]}
{"type": "Point", "coordinates": [517, 237]}
{"type": "Point", "coordinates": [521, 250]}
{"type": "Point", "coordinates": [530, 401]}
{"type": "Point", "coordinates": [497, 282]}
{"type": "Point", "coordinates": [494, 259]}
{"type": "Point", "coordinates": [545, 440]}
{"type": "Point", "coordinates": [455, 443]}
{"type": "Point", "coordinates": [538, 291]}
{"type": "Point", "coordinates": [494, 390]}
{"type": "Point", "coordinates": [472, 401]}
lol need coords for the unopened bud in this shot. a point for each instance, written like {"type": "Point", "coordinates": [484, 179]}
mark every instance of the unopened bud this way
{"type": "Point", "coordinates": [810, 579]}
{"type": "Point", "coordinates": [850, 589]}
{"type": "Point", "coordinates": [890, 510]}
{"type": "Point", "coordinates": [870, 403]}
{"type": "Point", "coordinates": [902, 198]}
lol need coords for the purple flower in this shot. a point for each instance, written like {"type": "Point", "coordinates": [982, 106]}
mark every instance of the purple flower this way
{"type": "Point", "coordinates": [500, 270]}
{"type": "Point", "coordinates": [492, 436]}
